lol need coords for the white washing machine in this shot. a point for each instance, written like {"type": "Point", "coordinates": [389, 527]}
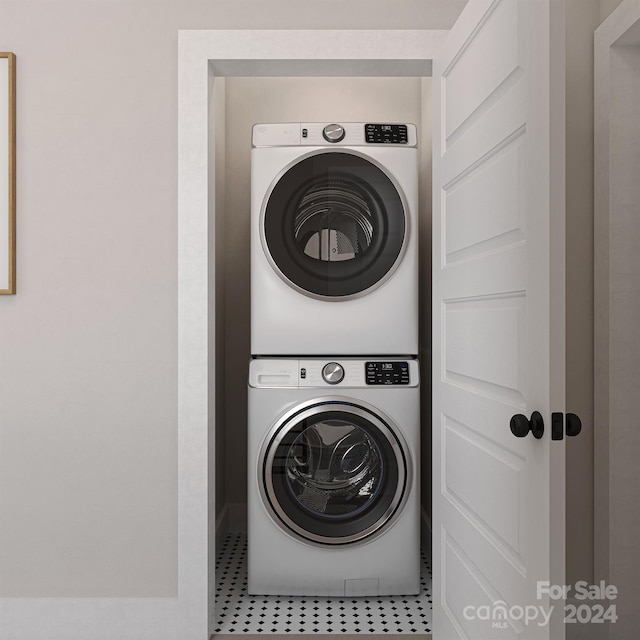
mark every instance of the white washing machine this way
{"type": "Point", "coordinates": [334, 239]}
{"type": "Point", "coordinates": [333, 465]}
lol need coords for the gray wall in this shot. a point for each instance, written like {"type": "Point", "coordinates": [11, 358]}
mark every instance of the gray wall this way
{"type": "Point", "coordinates": [88, 347]}
{"type": "Point", "coordinates": [582, 18]}
{"type": "Point", "coordinates": [606, 7]}
{"type": "Point", "coordinates": [425, 258]}
{"type": "Point", "coordinates": [624, 336]}
{"type": "Point", "coordinates": [617, 314]}
{"type": "Point", "coordinates": [220, 382]}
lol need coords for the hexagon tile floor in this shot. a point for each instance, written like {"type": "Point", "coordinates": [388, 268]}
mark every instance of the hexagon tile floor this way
{"type": "Point", "coordinates": [238, 612]}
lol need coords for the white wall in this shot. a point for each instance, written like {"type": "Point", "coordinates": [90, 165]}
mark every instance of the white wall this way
{"type": "Point", "coordinates": [88, 409]}
{"type": "Point", "coordinates": [88, 347]}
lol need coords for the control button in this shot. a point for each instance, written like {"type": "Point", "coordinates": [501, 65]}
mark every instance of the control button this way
{"type": "Point", "coordinates": [303, 373]}
{"type": "Point", "coordinates": [305, 133]}
{"type": "Point", "coordinates": [333, 133]}
{"type": "Point", "coordinates": [332, 373]}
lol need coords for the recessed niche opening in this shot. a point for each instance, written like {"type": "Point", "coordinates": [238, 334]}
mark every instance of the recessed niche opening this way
{"type": "Point", "coordinates": [236, 104]}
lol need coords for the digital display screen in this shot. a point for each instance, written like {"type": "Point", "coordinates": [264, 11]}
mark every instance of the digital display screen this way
{"type": "Point", "coordinates": [386, 373]}
{"type": "Point", "coordinates": [386, 133]}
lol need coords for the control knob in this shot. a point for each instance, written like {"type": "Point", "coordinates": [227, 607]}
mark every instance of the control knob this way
{"type": "Point", "coordinates": [332, 373]}
{"type": "Point", "coordinates": [333, 133]}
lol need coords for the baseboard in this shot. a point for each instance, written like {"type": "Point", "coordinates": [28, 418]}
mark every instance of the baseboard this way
{"type": "Point", "coordinates": [232, 519]}
{"type": "Point", "coordinates": [222, 525]}
{"type": "Point", "coordinates": [425, 531]}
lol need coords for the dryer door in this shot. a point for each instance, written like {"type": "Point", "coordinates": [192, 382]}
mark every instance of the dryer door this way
{"type": "Point", "coordinates": [334, 473]}
{"type": "Point", "coordinates": [334, 225]}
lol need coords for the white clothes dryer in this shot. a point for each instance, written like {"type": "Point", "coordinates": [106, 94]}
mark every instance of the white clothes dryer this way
{"type": "Point", "coordinates": [333, 477]}
{"type": "Point", "coordinates": [334, 239]}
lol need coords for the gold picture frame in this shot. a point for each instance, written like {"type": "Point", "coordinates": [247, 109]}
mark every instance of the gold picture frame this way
{"type": "Point", "coordinates": [7, 173]}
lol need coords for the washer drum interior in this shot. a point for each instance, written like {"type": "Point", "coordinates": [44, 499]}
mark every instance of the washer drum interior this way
{"type": "Point", "coordinates": [334, 473]}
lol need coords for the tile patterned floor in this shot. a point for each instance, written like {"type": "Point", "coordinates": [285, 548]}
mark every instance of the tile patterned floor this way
{"type": "Point", "coordinates": [238, 612]}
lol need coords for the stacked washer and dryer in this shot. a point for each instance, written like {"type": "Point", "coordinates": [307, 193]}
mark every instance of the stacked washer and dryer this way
{"type": "Point", "coordinates": [333, 423]}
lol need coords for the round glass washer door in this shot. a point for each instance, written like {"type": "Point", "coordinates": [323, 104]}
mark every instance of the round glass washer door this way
{"type": "Point", "coordinates": [334, 473]}
{"type": "Point", "coordinates": [334, 225]}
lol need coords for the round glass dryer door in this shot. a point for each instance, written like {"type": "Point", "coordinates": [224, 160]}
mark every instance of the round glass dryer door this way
{"type": "Point", "coordinates": [334, 473]}
{"type": "Point", "coordinates": [334, 225]}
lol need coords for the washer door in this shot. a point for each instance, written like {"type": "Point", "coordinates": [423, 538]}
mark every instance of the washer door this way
{"type": "Point", "coordinates": [334, 225]}
{"type": "Point", "coordinates": [334, 473]}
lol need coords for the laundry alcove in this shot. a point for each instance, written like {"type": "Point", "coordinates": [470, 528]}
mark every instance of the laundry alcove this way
{"type": "Point", "coordinates": [246, 101]}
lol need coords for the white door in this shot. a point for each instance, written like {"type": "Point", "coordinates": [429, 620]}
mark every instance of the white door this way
{"type": "Point", "coordinates": [498, 320]}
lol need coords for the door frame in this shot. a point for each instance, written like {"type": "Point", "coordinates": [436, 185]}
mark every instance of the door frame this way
{"type": "Point", "coordinates": [204, 56]}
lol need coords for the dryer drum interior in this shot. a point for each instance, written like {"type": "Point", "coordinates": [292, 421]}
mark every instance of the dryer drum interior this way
{"type": "Point", "coordinates": [335, 224]}
{"type": "Point", "coordinates": [334, 475]}
{"type": "Point", "coordinates": [334, 221]}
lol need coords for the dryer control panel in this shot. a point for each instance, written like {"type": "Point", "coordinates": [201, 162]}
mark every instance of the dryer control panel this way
{"type": "Point", "coordinates": [334, 134]}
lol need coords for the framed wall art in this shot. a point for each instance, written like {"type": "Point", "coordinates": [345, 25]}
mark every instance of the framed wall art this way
{"type": "Point", "coordinates": [7, 173]}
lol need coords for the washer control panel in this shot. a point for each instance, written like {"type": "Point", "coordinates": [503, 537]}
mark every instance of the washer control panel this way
{"type": "Point", "coordinates": [339, 373]}
{"type": "Point", "coordinates": [357, 373]}
{"type": "Point", "coordinates": [391, 372]}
